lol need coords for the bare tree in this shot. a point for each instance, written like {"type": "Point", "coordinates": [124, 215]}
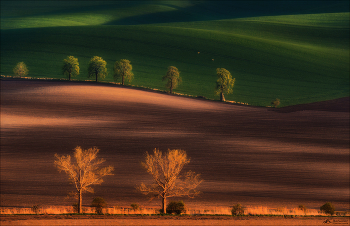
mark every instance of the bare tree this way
{"type": "Point", "coordinates": [165, 170]}
{"type": "Point", "coordinates": [84, 171]}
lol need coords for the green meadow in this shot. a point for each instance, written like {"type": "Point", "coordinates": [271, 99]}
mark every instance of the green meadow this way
{"type": "Point", "coordinates": [298, 58]}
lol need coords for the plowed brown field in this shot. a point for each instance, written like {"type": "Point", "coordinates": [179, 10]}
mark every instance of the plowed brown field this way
{"type": "Point", "coordinates": [248, 155]}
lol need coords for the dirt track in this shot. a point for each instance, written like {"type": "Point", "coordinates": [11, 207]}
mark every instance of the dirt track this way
{"type": "Point", "coordinates": [248, 155]}
{"type": "Point", "coordinates": [170, 220]}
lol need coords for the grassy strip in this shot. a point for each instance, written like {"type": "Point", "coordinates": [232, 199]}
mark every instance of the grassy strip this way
{"type": "Point", "coordinates": [208, 211]}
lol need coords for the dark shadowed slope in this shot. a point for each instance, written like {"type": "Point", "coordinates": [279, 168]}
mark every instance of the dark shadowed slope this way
{"type": "Point", "coordinates": [249, 155]}
{"type": "Point", "coordinates": [337, 105]}
{"type": "Point", "coordinates": [218, 10]}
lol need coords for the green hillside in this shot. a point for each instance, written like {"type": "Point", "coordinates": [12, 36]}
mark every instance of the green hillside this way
{"type": "Point", "coordinates": [296, 58]}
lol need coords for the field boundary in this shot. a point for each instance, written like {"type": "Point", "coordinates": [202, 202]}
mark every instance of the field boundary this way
{"type": "Point", "coordinates": [335, 105]}
{"type": "Point", "coordinates": [117, 84]}
{"type": "Point", "coordinates": [149, 211]}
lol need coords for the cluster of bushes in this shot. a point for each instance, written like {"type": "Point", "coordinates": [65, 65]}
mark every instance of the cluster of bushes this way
{"type": "Point", "coordinates": [179, 207]}
{"type": "Point", "coordinates": [327, 208]}
{"type": "Point", "coordinates": [99, 204]}
{"type": "Point", "coordinates": [176, 208]}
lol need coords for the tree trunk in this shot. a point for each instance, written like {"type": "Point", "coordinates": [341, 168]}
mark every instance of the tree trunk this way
{"type": "Point", "coordinates": [69, 76]}
{"type": "Point", "coordinates": [222, 97]}
{"type": "Point", "coordinates": [80, 202]}
{"type": "Point", "coordinates": [96, 77]}
{"type": "Point", "coordinates": [164, 204]}
{"type": "Point", "coordinates": [123, 80]}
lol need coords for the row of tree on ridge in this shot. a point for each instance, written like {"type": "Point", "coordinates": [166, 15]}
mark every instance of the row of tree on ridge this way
{"type": "Point", "coordinates": [123, 71]}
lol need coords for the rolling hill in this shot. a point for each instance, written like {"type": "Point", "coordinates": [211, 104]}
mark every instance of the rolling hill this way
{"type": "Point", "coordinates": [296, 52]}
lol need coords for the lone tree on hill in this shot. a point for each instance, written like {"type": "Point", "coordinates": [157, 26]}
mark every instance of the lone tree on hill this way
{"type": "Point", "coordinates": [70, 67]}
{"type": "Point", "coordinates": [84, 171]}
{"type": "Point", "coordinates": [123, 69]}
{"type": "Point", "coordinates": [97, 68]}
{"type": "Point", "coordinates": [225, 83]}
{"type": "Point", "coordinates": [173, 78]}
{"type": "Point", "coordinates": [165, 171]}
{"type": "Point", "coordinates": [20, 69]}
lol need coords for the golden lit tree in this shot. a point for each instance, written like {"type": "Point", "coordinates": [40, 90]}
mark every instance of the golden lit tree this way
{"type": "Point", "coordinates": [83, 171]}
{"type": "Point", "coordinates": [167, 181]}
{"type": "Point", "coordinates": [123, 69]}
{"type": "Point", "coordinates": [97, 68]}
{"type": "Point", "coordinates": [70, 67]}
{"type": "Point", "coordinates": [225, 83]}
{"type": "Point", "coordinates": [20, 69]}
{"type": "Point", "coordinates": [173, 78]}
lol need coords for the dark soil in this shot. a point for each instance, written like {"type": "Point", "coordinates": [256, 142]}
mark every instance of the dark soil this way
{"type": "Point", "coordinates": [249, 155]}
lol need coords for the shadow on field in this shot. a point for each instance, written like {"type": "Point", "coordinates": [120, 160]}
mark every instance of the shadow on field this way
{"type": "Point", "coordinates": [337, 105]}
{"type": "Point", "coordinates": [219, 10]}
{"type": "Point", "coordinates": [245, 155]}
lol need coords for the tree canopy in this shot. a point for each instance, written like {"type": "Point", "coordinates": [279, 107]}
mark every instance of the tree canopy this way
{"type": "Point", "coordinates": [123, 70]}
{"type": "Point", "coordinates": [97, 68]}
{"type": "Point", "coordinates": [70, 67]}
{"type": "Point", "coordinates": [173, 78]}
{"type": "Point", "coordinates": [20, 69]}
{"type": "Point", "coordinates": [224, 83]}
{"type": "Point", "coordinates": [165, 171]}
{"type": "Point", "coordinates": [84, 171]}
{"type": "Point", "coordinates": [328, 208]}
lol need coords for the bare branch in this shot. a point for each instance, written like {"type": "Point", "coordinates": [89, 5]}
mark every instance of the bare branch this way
{"type": "Point", "coordinates": [85, 171]}
{"type": "Point", "coordinates": [165, 171]}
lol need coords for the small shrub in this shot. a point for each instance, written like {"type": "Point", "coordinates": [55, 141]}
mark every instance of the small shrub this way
{"type": "Point", "coordinates": [302, 208]}
{"type": "Point", "coordinates": [276, 102]}
{"type": "Point", "coordinates": [281, 211]}
{"type": "Point", "coordinates": [75, 207]}
{"type": "Point", "coordinates": [99, 203]}
{"type": "Point", "coordinates": [176, 207]}
{"type": "Point", "coordinates": [328, 208]}
{"type": "Point", "coordinates": [135, 206]}
{"type": "Point", "coordinates": [35, 209]}
{"type": "Point", "coordinates": [237, 210]}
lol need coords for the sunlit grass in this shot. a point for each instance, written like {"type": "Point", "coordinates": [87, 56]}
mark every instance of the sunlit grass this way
{"type": "Point", "coordinates": [321, 19]}
{"type": "Point", "coordinates": [255, 210]}
{"type": "Point", "coordinates": [108, 12]}
{"type": "Point", "coordinates": [54, 21]}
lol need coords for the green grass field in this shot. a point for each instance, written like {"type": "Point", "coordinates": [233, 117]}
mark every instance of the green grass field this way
{"type": "Point", "coordinates": [298, 58]}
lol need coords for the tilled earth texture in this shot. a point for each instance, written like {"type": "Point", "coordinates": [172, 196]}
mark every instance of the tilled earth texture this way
{"type": "Point", "coordinates": [255, 156]}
